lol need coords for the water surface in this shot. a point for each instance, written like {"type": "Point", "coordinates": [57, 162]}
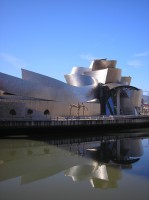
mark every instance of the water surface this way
{"type": "Point", "coordinates": [106, 166]}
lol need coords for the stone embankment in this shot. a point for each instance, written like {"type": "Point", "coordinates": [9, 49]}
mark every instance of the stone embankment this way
{"type": "Point", "coordinates": [73, 124]}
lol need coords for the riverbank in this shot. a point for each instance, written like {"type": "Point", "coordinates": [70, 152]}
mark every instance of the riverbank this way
{"type": "Point", "coordinates": [60, 125]}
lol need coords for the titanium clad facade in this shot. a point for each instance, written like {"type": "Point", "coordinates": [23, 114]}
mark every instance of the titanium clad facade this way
{"type": "Point", "coordinates": [80, 80]}
{"type": "Point", "coordinates": [102, 64]}
{"type": "Point", "coordinates": [99, 89]}
{"type": "Point", "coordinates": [126, 80]}
{"type": "Point", "coordinates": [109, 75]}
{"type": "Point", "coordinates": [53, 92]}
{"type": "Point", "coordinates": [136, 97]}
{"type": "Point", "coordinates": [79, 70]}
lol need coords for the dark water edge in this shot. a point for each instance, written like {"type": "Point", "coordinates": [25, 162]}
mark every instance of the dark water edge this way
{"type": "Point", "coordinates": [55, 132]}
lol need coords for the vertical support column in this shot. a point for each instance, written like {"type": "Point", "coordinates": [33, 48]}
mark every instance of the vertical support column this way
{"type": "Point", "coordinates": [102, 100]}
{"type": "Point", "coordinates": [118, 101]}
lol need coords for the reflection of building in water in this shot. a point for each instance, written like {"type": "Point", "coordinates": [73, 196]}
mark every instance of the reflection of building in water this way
{"type": "Point", "coordinates": [34, 160]}
{"type": "Point", "coordinates": [108, 158]}
{"type": "Point", "coordinates": [85, 172]}
{"type": "Point", "coordinates": [114, 174]}
{"type": "Point", "coordinates": [125, 151]}
{"type": "Point", "coordinates": [129, 149]}
{"type": "Point", "coordinates": [99, 175]}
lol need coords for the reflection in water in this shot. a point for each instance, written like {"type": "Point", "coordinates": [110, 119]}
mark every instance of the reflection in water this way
{"type": "Point", "coordinates": [99, 160]}
{"type": "Point", "coordinates": [108, 157]}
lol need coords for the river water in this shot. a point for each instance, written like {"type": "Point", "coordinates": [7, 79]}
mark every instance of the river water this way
{"type": "Point", "coordinates": [104, 166]}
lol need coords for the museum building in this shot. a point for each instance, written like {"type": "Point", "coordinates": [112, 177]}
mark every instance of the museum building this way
{"type": "Point", "coordinates": [97, 90]}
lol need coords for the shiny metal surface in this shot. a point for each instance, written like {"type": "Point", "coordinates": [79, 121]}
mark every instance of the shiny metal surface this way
{"type": "Point", "coordinates": [91, 91]}
{"type": "Point", "coordinates": [80, 70]}
{"type": "Point", "coordinates": [108, 75]}
{"type": "Point", "coordinates": [126, 80]}
{"type": "Point", "coordinates": [48, 93]}
{"type": "Point", "coordinates": [39, 87]}
{"type": "Point", "coordinates": [102, 64]}
{"type": "Point", "coordinates": [80, 80]}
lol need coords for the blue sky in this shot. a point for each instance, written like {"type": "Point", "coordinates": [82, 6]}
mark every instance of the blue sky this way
{"type": "Point", "coordinates": [52, 36]}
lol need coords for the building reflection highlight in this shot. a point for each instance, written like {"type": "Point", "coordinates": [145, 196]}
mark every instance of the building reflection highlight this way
{"type": "Point", "coordinates": [99, 161]}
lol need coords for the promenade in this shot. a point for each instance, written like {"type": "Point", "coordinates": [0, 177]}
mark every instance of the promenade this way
{"type": "Point", "coordinates": [76, 123]}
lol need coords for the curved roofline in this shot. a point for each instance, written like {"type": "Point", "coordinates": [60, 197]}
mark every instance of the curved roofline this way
{"type": "Point", "coordinates": [126, 86]}
{"type": "Point", "coordinates": [112, 87]}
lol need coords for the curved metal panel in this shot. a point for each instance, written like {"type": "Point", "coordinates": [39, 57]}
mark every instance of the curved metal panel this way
{"type": "Point", "coordinates": [119, 85]}
{"type": "Point", "coordinates": [136, 97]}
{"type": "Point", "coordinates": [51, 91]}
{"type": "Point", "coordinates": [104, 76]}
{"type": "Point", "coordinates": [102, 64]}
{"type": "Point", "coordinates": [99, 75]}
{"type": "Point", "coordinates": [127, 106]}
{"type": "Point", "coordinates": [42, 79]}
{"type": "Point", "coordinates": [114, 75]}
{"type": "Point", "coordinates": [79, 70]}
{"type": "Point", "coordinates": [126, 80]}
{"type": "Point", "coordinates": [79, 80]}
